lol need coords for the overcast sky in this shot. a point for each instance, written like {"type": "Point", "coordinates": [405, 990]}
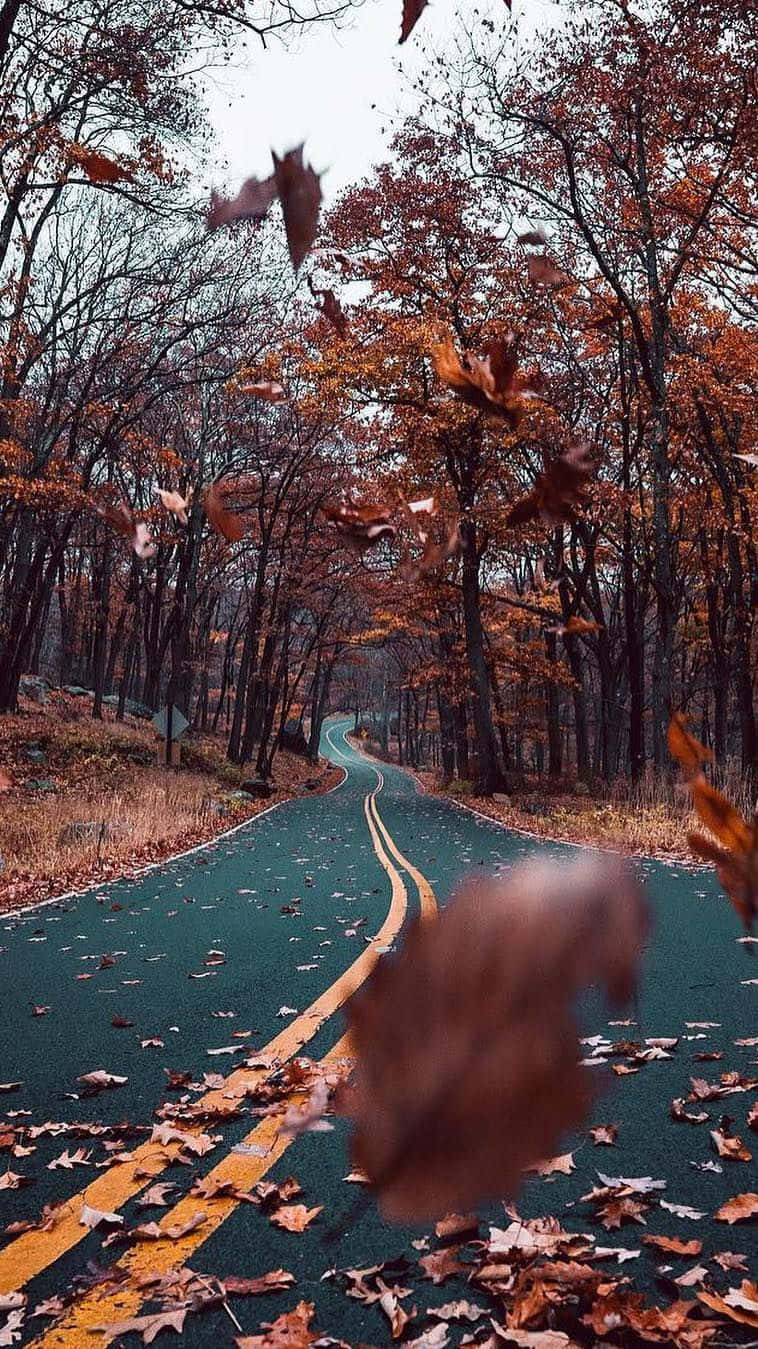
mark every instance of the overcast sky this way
{"type": "Point", "coordinates": [337, 91]}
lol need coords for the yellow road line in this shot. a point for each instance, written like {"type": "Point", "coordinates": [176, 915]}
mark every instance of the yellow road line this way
{"type": "Point", "coordinates": [32, 1252]}
{"type": "Point", "coordinates": [427, 897]}
{"type": "Point", "coordinates": [102, 1306]}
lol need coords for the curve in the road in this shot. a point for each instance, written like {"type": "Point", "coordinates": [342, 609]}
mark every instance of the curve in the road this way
{"type": "Point", "coordinates": [26, 1256]}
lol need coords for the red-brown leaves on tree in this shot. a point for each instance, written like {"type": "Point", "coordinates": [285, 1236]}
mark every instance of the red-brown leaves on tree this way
{"type": "Point", "coordinates": [490, 382]}
{"type": "Point", "coordinates": [99, 168]}
{"type": "Point", "coordinates": [299, 192]}
{"type": "Point", "coordinates": [467, 1037]}
{"type": "Point", "coordinates": [224, 521]}
{"type": "Point", "coordinates": [557, 491]}
{"type": "Point", "coordinates": [330, 307]}
{"type": "Point", "coordinates": [412, 11]}
{"type": "Point", "coordinates": [361, 526]}
{"type": "Point", "coordinates": [251, 203]}
{"type": "Point", "coordinates": [735, 854]}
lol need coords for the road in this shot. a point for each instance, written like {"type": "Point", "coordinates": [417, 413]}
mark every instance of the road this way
{"type": "Point", "coordinates": [265, 925]}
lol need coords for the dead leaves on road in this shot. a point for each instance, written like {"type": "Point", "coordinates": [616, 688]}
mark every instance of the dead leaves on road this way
{"type": "Point", "coordinates": [458, 1044]}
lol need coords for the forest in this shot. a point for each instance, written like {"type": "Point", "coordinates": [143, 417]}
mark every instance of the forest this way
{"type": "Point", "coordinates": [535, 323]}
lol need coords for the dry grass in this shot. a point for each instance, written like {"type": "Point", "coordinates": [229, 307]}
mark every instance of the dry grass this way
{"type": "Point", "coordinates": [106, 776]}
{"type": "Point", "coordinates": [650, 820]}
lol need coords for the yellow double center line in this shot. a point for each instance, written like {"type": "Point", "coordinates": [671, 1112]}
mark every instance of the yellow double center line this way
{"type": "Point", "coordinates": [29, 1254]}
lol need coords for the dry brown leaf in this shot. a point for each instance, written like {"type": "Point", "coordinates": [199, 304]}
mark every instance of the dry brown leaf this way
{"type": "Point", "coordinates": [251, 203]}
{"type": "Point", "coordinates": [441, 1265]}
{"type": "Point", "coordinates": [537, 238]}
{"type": "Point", "coordinates": [295, 1217]}
{"type": "Point", "coordinates": [739, 1209]}
{"type": "Point", "coordinates": [289, 1331]}
{"type": "Point", "coordinates": [330, 307]}
{"type": "Point", "coordinates": [122, 519]}
{"type": "Point", "coordinates": [147, 1326]}
{"type": "Point", "coordinates": [604, 1134]}
{"type": "Point", "coordinates": [394, 1311]}
{"type": "Point", "coordinates": [575, 626]}
{"type": "Point", "coordinates": [456, 1225]}
{"type": "Point", "coordinates": [673, 1245]}
{"type": "Point", "coordinates": [564, 1165]}
{"type": "Point", "coordinates": [174, 502]}
{"type": "Point", "coordinates": [229, 526]}
{"type": "Point", "coordinates": [683, 745]}
{"type": "Point", "coordinates": [268, 389]}
{"type": "Point", "coordinates": [542, 272]}
{"type": "Point", "coordinates": [275, 1281]}
{"type": "Point", "coordinates": [739, 1304]}
{"type": "Point", "coordinates": [361, 526]}
{"type": "Point", "coordinates": [412, 11]}
{"type": "Point", "coordinates": [557, 491]}
{"type": "Point", "coordinates": [299, 193]}
{"type": "Point", "coordinates": [488, 383]}
{"type": "Point", "coordinates": [621, 1210]}
{"type": "Point", "coordinates": [730, 1146]}
{"type": "Point", "coordinates": [441, 1080]}
{"type": "Point", "coordinates": [731, 1260]}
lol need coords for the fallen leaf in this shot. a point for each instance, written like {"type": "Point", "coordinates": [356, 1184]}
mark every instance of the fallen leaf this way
{"type": "Point", "coordinates": [93, 1217]}
{"type": "Point", "coordinates": [488, 382]}
{"type": "Point", "coordinates": [682, 1210]}
{"type": "Point", "coordinates": [275, 1281]}
{"type": "Point", "coordinates": [739, 1209]}
{"type": "Point", "coordinates": [289, 1331]}
{"type": "Point", "coordinates": [441, 1265]}
{"type": "Point", "coordinates": [295, 1217]}
{"type": "Point", "coordinates": [147, 1326]}
{"type": "Point", "coordinates": [604, 1134]}
{"type": "Point", "coordinates": [456, 1225]}
{"type": "Point", "coordinates": [673, 1245]}
{"type": "Point", "coordinates": [739, 1304]}
{"type": "Point", "coordinates": [730, 1146]}
{"type": "Point", "coordinates": [251, 203]}
{"type": "Point", "coordinates": [122, 519]}
{"type": "Point", "coordinates": [564, 1164]}
{"type": "Point", "coordinates": [225, 523]}
{"type": "Point", "coordinates": [174, 502]}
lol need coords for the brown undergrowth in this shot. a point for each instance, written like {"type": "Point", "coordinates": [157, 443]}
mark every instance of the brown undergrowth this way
{"type": "Point", "coordinates": [114, 809]}
{"type": "Point", "coordinates": [650, 820]}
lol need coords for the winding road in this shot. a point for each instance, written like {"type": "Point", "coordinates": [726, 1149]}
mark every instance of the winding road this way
{"type": "Point", "coordinates": [244, 951]}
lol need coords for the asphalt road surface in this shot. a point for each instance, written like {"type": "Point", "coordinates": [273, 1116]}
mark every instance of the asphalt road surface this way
{"type": "Point", "coordinates": [247, 948]}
